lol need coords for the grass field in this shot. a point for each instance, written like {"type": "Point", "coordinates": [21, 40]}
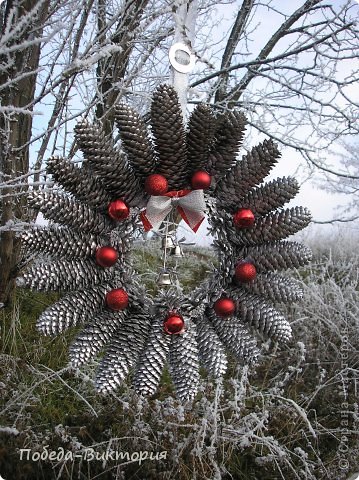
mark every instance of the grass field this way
{"type": "Point", "coordinates": [294, 416]}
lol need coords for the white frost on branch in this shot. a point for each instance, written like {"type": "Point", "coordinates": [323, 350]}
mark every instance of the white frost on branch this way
{"type": "Point", "coordinates": [9, 430]}
{"type": "Point", "coordinates": [85, 63]}
{"type": "Point", "coordinates": [11, 109]}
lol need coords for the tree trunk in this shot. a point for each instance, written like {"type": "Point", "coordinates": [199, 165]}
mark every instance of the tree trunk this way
{"type": "Point", "coordinates": [16, 127]}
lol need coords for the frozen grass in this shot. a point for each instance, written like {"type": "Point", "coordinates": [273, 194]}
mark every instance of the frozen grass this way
{"type": "Point", "coordinates": [294, 417]}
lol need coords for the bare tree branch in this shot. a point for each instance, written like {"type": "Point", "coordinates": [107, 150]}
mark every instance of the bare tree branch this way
{"type": "Point", "coordinates": [233, 40]}
{"type": "Point", "coordinates": [258, 62]}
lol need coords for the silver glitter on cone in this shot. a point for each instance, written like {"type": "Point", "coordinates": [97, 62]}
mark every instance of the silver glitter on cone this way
{"type": "Point", "coordinates": [59, 242]}
{"type": "Point", "coordinates": [275, 287]}
{"type": "Point", "coordinates": [228, 139]}
{"type": "Point", "coordinates": [69, 212]}
{"type": "Point", "coordinates": [169, 137]}
{"type": "Point", "coordinates": [94, 337]}
{"type": "Point", "coordinates": [66, 275]}
{"type": "Point", "coordinates": [79, 181]}
{"type": "Point", "coordinates": [73, 309]}
{"type": "Point", "coordinates": [153, 359]}
{"type": "Point", "coordinates": [247, 173]}
{"type": "Point", "coordinates": [274, 226]}
{"type": "Point", "coordinates": [236, 338]}
{"type": "Point", "coordinates": [135, 141]}
{"type": "Point", "coordinates": [256, 312]}
{"type": "Point", "coordinates": [279, 255]}
{"type": "Point", "coordinates": [268, 197]}
{"type": "Point", "coordinates": [108, 163]}
{"type": "Point", "coordinates": [210, 349]}
{"type": "Point", "coordinates": [200, 137]}
{"type": "Point", "coordinates": [184, 364]}
{"type": "Point", "coordinates": [123, 353]}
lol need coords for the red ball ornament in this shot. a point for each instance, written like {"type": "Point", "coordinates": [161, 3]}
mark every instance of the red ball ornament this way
{"type": "Point", "coordinates": [245, 272]}
{"type": "Point", "coordinates": [243, 218]}
{"type": "Point", "coordinates": [224, 307]}
{"type": "Point", "coordinates": [118, 210]}
{"type": "Point", "coordinates": [117, 299]}
{"type": "Point", "coordinates": [156, 184]}
{"type": "Point", "coordinates": [106, 256]}
{"type": "Point", "coordinates": [201, 180]}
{"type": "Point", "coordinates": [174, 324]}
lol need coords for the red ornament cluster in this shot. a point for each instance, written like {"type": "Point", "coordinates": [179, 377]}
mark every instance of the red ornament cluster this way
{"type": "Point", "coordinates": [245, 272]}
{"type": "Point", "coordinates": [156, 184]}
{"type": "Point", "coordinates": [201, 180]}
{"type": "Point", "coordinates": [117, 299]}
{"type": "Point", "coordinates": [118, 210]}
{"type": "Point", "coordinates": [224, 307]}
{"type": "Point", "coordinates": [173, 324]}
{"type": "Point", "coordinates": [243, 218]}
{"type": "Point", "coordinates": [106, 256]}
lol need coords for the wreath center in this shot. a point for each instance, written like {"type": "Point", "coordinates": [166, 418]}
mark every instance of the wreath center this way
{"type": "Point", "coordinates": [116, 195]}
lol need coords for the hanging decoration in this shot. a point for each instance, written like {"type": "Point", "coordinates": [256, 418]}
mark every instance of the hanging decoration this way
{"type": "Point", "coordinates": [115, 195]}
{"type": "Point", "coordinates": [245, 272]}
{"type": "Point", "coordinates": [180, 67]}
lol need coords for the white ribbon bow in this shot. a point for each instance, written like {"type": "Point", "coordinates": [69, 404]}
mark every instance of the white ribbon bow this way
{"type": "Point", "coordinates": [191, 207]}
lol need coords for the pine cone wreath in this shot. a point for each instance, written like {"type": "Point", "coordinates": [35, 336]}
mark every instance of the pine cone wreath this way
{"type": "Point", "coordinates": [97, 211]}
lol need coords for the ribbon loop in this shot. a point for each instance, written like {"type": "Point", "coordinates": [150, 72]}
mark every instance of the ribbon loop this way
{"type": "Point", "coordinates": [190, 204]}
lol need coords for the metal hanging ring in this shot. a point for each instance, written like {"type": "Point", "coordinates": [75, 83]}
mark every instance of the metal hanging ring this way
{"type": "Point", "coordinates": [179, 66]}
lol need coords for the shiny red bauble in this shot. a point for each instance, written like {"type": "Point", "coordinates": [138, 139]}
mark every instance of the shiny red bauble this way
{"type": "Point", "coordinates": [106, 256]}
{"type": "Point", "coordinates": [117, 299]}
{"type": "Point", "coordinates": [243, 218]}
{"type": "Point", "coordinates": [118, 210]}
{"type": "Point", "coordinates": [201, 180]}
{"type": "Point", "coordinates": [156, 184]}
{"type": "Point", "coordinates": [174, 324]}
{"type": "Point", "coordinates": [245, 272]}
{"type": "Point", "coordinates": [224, 307]}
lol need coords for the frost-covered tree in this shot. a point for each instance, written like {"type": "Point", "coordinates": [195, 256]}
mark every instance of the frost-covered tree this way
{"type": "Point", "coordinates": [21, 24]}
{"type": "Point", "coordinates": [348, 157]}
{"type": "Point", "coordinates": [302, 74]}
